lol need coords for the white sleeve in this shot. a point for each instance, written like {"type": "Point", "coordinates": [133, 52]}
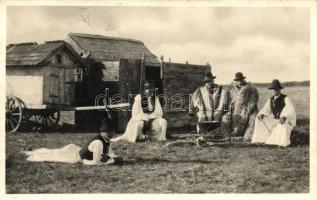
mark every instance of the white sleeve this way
{"type": "Point", "coordinates": [158, 112]}
{"type": "Point", "coordinates": [136, 107]}
{"type": "Point", "coordinates": [111, 153]}
{"type": "Point", "coordinates": [266, 110]}
{"type": "Point", "coordinates": [90, 162]}
{"type": "Point", "coordinates": [289, 111]}
{"type": "Point", "coordinates": [137, 112]}
{"type": "Point", "coordinates": [222, 100]}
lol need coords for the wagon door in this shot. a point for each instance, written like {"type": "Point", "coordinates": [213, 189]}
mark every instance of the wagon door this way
{"type": "Point", "coordinates": [59, 85]}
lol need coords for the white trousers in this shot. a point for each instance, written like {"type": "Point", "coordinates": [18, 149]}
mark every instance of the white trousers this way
{"type": "Point", "coordinates": [66, 154]}
{"type": "Point", "coordinates": [134, 131]}
{"type": "Point", "coordinates": [271, 131]}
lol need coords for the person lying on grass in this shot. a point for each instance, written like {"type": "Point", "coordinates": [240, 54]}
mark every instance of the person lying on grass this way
{"type": "Point", "coordinates": [96, 151]}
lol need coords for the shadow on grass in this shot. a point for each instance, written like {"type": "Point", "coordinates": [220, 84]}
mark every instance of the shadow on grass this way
{"type": "Point", "coordinates": [139, 160]}
{"type": "Point", "coordinates": [300, 134]}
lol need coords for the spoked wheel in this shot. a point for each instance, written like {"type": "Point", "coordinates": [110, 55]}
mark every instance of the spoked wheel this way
{"type": "Point", "coordinates": [33, 122]}
{"type": "Point", "coordinates": [14, 114]}
{"type": "Point", "coordinates": [50, 119]}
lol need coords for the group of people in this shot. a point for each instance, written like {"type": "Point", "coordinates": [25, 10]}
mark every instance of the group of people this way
{"type": "Point", "coordinates": [235, 109]}
{"type": "Point", "coordinates": [213, 103]}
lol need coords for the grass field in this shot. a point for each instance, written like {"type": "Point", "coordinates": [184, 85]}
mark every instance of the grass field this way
{"type": "Point", "coordinates": [153, 168]}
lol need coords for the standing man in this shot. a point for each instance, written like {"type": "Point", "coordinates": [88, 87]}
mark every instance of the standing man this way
{"type": "Point", "coordinates": [243, 105]}
{"type": "Point", "coordinates": [147, 118]}
{"type": "Point", "coordinates": [208, 101]}
{"type": "Point", "coordinates": [276, 119]}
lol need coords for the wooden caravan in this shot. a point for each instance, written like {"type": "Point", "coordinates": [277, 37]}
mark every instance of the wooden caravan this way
{"type": "Point", "coordinates": [40, 80]}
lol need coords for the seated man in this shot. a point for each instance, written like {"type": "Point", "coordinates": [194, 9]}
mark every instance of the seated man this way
{"type": "Point", "coordinates": [208, 101]}
{"type": "Point", "coordinates": [276, 119]}
{"type": "Point", "coordinates": [146, 118]}
{"type": "Point", "coordinates": [243, 105]}
{"type": "Point", "coordinates": [95, 152]}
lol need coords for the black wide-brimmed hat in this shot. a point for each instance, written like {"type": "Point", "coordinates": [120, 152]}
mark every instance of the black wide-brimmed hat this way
{"type": "Point", "coordinates": [208, 77]}
{"type": "Point", "coordinates": [239, 76]}
{"type": "Point", "coordinates": [106, 125]}
{"type": "Point", "coordinates": [276, 85]}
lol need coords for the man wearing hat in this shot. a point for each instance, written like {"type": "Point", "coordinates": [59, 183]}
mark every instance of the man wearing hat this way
{"type": "Point", "coordinates": [147, 118]}
{"type": "Point", "coordinates": [95, 152]}
{"type": "Point", "coordinates": [208, 101]}
{"type": "Point", "coordinates": [243, 105]}
{"type": "Point", "coordinates": [98, 150]}
{"type": "Point", "coordinates": [276, 119]}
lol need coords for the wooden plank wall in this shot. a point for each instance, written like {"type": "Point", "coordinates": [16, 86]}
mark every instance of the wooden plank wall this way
{"type": "Point", "coordinates": [129, 83]}
{"type": "Point", "coordinates": [181, 79]}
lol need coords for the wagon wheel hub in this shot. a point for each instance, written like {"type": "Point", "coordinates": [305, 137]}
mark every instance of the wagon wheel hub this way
{"type": "Point", "coordinates": [8, 114]}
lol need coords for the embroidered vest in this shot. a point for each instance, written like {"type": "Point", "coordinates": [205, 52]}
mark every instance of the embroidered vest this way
{"type": "Point", "coordinates": [277, 105]}
{"type": "Point", "coordinates": [145, 104]}
{"type": "Point", "coordinates": [88, 155]}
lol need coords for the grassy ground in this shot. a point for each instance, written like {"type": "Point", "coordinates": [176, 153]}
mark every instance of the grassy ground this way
{"type": "Point", "coordinates": [154, 168]}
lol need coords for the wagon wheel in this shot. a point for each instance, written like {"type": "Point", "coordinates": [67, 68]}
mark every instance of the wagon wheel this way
{"type": "Point", "coordinates": [50, 119]}
{"type": "Point", "coordinates": [23, 106]}
{"type": "Point", "coordinates": [14, 114]}
{"type": "Point", "coordinates": [33, 122]}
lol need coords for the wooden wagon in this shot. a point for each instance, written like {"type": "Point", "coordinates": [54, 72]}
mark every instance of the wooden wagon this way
{"type": "Point", "coordinates": [40, 81]}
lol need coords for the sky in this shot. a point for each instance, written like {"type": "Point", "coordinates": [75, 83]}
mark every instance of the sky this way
{"type": "Point", "coordinates": [262, 42]}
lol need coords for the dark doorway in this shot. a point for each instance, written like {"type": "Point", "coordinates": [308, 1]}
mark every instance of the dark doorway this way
{"type": "Point", "coordinates": [153, 74]}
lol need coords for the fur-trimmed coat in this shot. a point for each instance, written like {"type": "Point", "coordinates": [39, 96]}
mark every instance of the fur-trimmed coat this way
{"type": "Point", "coordinates": [243, 105]}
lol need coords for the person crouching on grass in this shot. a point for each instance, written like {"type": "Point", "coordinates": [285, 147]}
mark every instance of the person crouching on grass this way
{"type": "Point", "coordinates": [147, 118]}
{"type": "Point", "coordinates": [276, 119]}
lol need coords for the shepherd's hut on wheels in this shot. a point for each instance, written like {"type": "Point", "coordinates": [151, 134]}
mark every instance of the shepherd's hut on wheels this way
{"type": "Point", "coordinates": [40, 81]}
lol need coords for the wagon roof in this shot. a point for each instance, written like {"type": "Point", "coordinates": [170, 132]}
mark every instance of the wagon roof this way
{"type": "Point", "coordinates": [104, 48]}
{"type": "Point", "coordinates": [31, 54]}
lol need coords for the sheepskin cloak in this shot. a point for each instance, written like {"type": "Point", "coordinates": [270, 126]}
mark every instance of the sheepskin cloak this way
{"type": "Point", "coordinates": [244, 109]}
